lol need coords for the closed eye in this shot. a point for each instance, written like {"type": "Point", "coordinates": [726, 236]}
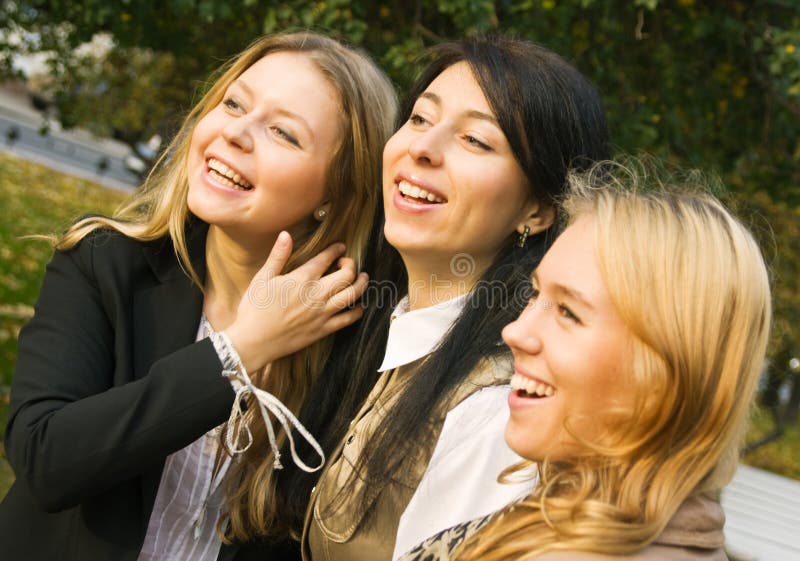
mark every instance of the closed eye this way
{"type": "Point", "coordinates": [477, 143]}
{"type": "Point", "coordinates": [566, 313]}
{"type": "Point", "coordinates": [285, 135]}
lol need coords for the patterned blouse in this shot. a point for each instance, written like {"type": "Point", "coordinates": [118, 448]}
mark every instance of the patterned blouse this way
{"type": "Point", "coordinates": [441, 546]}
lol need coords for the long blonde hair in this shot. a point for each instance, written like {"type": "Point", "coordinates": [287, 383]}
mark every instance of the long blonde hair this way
{"type": "Point", "coordinates": [159, 208]}
{"type": "Point", "coordinates": [690, 282]}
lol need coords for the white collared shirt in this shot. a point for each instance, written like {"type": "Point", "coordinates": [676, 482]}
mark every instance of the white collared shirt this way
{"type": "Point", "coordinates": [416, 333]}
{"type": "Point", "coordinates": [460, 482]}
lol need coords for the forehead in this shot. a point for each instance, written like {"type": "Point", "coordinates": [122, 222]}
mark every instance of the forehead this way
{"type": "Point", "coordinates": [572, 261]}
{"type": "Point", "coordinates": [293, 76]}
{"type": "Point", "coordinates": [456, 85]}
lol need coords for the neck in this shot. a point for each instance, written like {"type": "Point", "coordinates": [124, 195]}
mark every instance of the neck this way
{"type": "Point", "coordinates": [230, 267]}
{"type": "Point", "coordinates": [430, 283]}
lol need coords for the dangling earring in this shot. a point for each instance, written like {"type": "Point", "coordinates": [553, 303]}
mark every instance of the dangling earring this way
{"type": "Point", "coordinates": [523, 237]}
{"type": "Point", "coordinates": [320, 214]}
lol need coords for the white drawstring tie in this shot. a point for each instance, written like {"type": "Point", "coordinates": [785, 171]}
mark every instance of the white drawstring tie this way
{"type": "Point", "coordinates": [267, 403]}
{"type": "Point", "coordinates": [234, 370]}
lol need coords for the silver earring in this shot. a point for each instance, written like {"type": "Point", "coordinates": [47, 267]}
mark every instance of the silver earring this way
{"type": "Point", "coordinates": [320, 214]}
{"type": "Point", "coordinates": [523, 237]}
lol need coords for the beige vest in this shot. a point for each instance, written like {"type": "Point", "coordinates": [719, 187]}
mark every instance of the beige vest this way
{"type": "Point", "coordinates": [354, 533]}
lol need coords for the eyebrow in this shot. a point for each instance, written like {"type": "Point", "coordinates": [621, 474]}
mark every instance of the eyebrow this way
{"type": "Point", "coordinates": [570, 292]}
{"type": "Point", "coordinates": [472, 114]}
{"type": "Point", "coordinates": [280, 111]}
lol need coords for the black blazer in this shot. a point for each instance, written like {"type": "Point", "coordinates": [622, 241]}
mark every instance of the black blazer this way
{"type": "Point", "coordinates": [109, 382]}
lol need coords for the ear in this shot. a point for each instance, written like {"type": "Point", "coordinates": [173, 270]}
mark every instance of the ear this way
{"type": "Point", "coordinates": [322, 211]}
{"type": "Point", "coordinates": [538, 217]}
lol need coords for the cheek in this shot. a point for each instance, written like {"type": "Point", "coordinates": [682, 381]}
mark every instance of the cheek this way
{"type": "Point", "coordinates": [497, 197]}
{"type": "Point", "coordinates": [204, 131]}
{"type": "Point", "coordinates": [300, 185]}
{"type": "Point", "coordinates": [391, 147]}
{"type": "Point", "coordinates": [393, 151]}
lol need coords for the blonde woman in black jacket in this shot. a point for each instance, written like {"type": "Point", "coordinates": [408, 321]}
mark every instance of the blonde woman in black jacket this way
{"type": "Point", "coordinates": [153, 326]}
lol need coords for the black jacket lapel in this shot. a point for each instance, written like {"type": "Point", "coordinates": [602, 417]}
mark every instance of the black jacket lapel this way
{"type": "Point", "coordinates": [166, 317]}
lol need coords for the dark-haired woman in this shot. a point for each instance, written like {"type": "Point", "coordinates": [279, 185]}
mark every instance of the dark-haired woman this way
{"type": "Point", "coordinates": [470, 182]}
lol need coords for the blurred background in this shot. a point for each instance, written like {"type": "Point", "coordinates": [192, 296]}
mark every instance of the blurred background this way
{"type": "Point", "coordinates": [91, 90]}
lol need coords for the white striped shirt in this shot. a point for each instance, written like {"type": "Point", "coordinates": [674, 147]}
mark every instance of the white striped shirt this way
{"type": "Point", "coordinates": [188, 504]}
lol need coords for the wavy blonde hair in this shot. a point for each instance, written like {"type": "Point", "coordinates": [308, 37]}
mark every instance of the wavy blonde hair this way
{"type": "Point", "coordinates": [690, 282]}
{"type": "Point", "coordinates": [368, 106]}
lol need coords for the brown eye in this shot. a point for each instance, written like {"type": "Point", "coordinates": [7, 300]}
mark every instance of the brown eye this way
{"type": "Point", "coordinates": [231, 103]}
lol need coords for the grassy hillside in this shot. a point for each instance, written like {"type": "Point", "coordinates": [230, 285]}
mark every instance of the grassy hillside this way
{"type": "Point", "coordinates": [34, 200]}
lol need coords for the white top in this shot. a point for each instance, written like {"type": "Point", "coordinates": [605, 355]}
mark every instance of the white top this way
{"type": "Point", "coordinates": [183, 523]}
{"type": "Point", "coordinates": [460, 482]}
{"type": "Point", "coordinates": [414, 334]}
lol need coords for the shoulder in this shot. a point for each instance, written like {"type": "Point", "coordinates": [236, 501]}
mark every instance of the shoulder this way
{"type": "Point", "coordinates": [105, 250]}
{"type": "Point", "coordinates": [654, 552]}
{"type": "Point", "coordinates": [113, 262]}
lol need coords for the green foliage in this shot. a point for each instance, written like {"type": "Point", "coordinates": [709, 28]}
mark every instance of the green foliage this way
{"type": "Point", "coordinates": [710, 84]}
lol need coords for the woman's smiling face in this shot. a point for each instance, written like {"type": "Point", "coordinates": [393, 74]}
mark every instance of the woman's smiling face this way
{"type": "Point", "coordinates": [258, 161]}
{"type": "Point", "coordinates": [572, 352]}
{"type": "Point", "coordinates": [451, 183]}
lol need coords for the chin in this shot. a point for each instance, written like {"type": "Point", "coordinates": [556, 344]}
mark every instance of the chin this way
{"type": "Point", "coordinates": [517, 440]}
{"type": "Point", "coordinates": [408, 240]}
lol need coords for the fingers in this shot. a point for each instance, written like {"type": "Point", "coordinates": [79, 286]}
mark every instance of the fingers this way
{"type": "Point", "coordinates": [341, 320]}
{"type": "Point", "coordinates": [348, 295]}
{"type": "Point", "coordinates": [315, 267]}
{"type": "Point", "coordinates": [338, 280]}
{"type": "Point", "coordinates": [278, 256]}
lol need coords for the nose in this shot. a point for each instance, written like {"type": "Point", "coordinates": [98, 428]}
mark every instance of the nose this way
{"type": "Point", "coordinates": [428, 146]}
{"type": "Point", "coordinates": [521, 335]}
{"type": "Point", "coordinates": [238, 133]}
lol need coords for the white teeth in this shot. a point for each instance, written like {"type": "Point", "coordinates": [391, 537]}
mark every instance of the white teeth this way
{"type": "Point", "coordinates": [417, 192]}
{"type": "Point", "coordinates": [531, 387]}
{"type": "Point", "coordinates": [227, 176]}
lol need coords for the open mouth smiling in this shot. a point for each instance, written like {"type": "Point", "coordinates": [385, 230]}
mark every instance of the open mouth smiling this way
{"type": "Point", "coordinates": [529, 388]}
{"type": "Point", "coordinates": [226, 176]}
{"type": "Point", "coordinates": [417, 194]}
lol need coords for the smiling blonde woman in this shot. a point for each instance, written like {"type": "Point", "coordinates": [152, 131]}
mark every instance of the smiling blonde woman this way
{"type": "Point", "coordinates": [647, 331]}
{"type": "Point", "coordinates": [149, 322]}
